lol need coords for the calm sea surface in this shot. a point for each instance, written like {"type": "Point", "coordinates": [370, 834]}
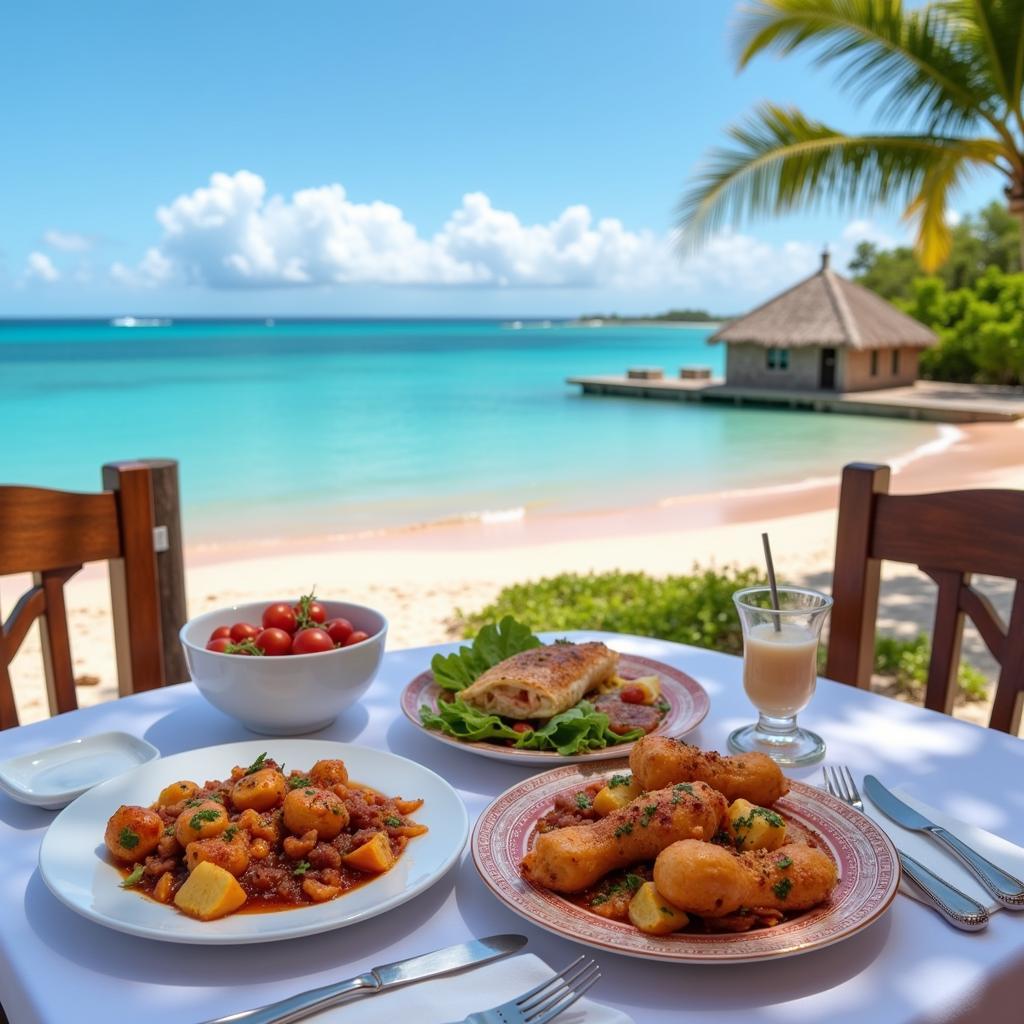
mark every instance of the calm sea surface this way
{"type": "Point", "coordinates": [328, 427]}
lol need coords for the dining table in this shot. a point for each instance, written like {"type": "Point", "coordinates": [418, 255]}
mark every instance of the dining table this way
{"type": "Point", "coordinates": [909, 966]}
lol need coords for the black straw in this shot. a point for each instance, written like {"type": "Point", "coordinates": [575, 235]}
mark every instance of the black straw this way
{"type": "Point", "coordinates": [771, 581]}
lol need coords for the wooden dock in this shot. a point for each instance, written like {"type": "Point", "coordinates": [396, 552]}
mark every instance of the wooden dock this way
{"type": "Point", "coordinates": [926, 400]}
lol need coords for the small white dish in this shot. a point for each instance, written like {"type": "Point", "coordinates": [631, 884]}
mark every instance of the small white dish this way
{"type": "Point", "coordinates": [53, 777]}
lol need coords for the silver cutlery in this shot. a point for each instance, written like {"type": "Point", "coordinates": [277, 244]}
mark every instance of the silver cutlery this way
{"type": "Point", "coordinates": [383, 979]}
{"type": "Point", "coordinates": [955, 906]}
{"type": "Point", "coordinates": [545, 1002]}
{"type": "Point", "coordinates": [1007, 890]}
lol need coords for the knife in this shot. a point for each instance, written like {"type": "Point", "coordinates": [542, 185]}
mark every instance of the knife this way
{"type": "Point", "coordinates": [1006, 889]}
{"type": "Point", "coordinates": [381, 979]}
{"type": "Point", "coordinates": [955, 906]}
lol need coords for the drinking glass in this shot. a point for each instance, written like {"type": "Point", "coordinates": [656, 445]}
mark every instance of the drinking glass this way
{"type": "Point", "coordinates": [780, 670]}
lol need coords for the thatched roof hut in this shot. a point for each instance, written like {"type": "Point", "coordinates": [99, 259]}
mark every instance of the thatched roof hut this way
{"type": "Point", "coordinates": [824, 333]}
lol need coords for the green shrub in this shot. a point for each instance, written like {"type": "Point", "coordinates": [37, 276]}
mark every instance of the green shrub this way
{"type": "Point", "coordinates": [696, 609]}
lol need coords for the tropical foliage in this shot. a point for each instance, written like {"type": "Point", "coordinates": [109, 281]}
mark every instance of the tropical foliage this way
{"type": "Point", "coordinates": [951, 72]}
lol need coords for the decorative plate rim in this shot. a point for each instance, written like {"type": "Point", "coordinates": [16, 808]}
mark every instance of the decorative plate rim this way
{"type": "Point", "coordinates": [861, 899]}
{"type": "Point", "coordinates": [690, 704]}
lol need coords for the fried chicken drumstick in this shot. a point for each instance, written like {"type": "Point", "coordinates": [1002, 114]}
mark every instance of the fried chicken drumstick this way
{"type": "Point", "coordinates": [657, 761]}
{"type": "Point", "coordinates": [570, 859]}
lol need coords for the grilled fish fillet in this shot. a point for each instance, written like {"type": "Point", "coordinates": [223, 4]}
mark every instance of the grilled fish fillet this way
{"type": "Point", "coordinates": [573, 858]}
{"type": "Point", "coordinates": [541, 682]}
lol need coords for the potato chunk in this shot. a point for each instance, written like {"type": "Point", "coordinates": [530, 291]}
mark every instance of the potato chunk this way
{"type": "Point", "coordinates": [753, 827]}
{"type": "Point", "coordinates": [310, 808]}
{"type": "Point", "coordinates": [259, 791]}
{"type": "Point", "coordinates": [620, 791]}
{"type": "Point", "coordinates": [229, 850]}
{"type": "Point", "coordinates": [209, 892]}
{"type": "Point", "coordinates": [133, 833]}
{"type": "Point", "coordinates": [176, 792]}
{"type": "Point", "coordinates": [652, 913]}
{"type": "Point", "coordinates": [374, 856]}
{"type": "Point", "coordinates": [205, 820]}
{"type": "Point", "coordinates": [329, 773]}
{"type": "Point", "coordinates": [651, 686]}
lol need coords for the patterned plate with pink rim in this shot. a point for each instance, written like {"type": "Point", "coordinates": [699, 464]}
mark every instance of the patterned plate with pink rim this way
{"type": "Point", "coordinates": [688, 703]}
{"type": "Point", "coordinates": [869, 874]}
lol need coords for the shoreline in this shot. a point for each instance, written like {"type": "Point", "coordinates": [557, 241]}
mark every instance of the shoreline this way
{"type": "Point", "coordinates": [419, 576]}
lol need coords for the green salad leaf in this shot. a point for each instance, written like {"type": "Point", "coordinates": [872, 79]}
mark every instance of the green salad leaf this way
{"type": "Point", "coordinates": [580, 729]}
{"type": "Point", "coordinates": [494, 643]}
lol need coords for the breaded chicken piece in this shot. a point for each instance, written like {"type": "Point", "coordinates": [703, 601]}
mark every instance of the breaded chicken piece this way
{"type": "Point", "coordinates": [714, 881]}
{"type": "Point", "coordinates": [570, 859]}
{"type": "Point", "coordinates": [658, 761]}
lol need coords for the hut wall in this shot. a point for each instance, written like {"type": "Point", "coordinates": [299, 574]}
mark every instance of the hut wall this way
{"type": "Point", "coordinates": [855, 369]}
{"type": "Point", "coordinates": [746, 366]}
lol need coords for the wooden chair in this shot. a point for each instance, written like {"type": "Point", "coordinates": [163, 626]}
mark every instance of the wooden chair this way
{"type": "Point", "coordinates": [52, 534]}
{"type": "Point", "coordinates": [949, 535]}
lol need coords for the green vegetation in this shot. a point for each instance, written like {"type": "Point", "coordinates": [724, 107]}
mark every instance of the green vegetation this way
{"type": "Point", "coordinates": [694, 609]}
{"type": "Point", "coordinates": [991, 238]}
{"type": "Point", "coordinates": [671, 316]}
{"type": "Point", "coordinates": [950, 74]}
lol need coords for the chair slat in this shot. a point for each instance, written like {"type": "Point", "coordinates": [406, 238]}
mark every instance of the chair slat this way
{"type": "Point", "coordinates": [1009, 702]}
{"type": "Point", "coordinates": [947, 634]}
{"type": "Point", "coordinates": [43, 529]}
{"type": "Point", "coordinates": [56, 643]}
{"type": "Point", "coordinates": [30, 606]}
{"type": "Point", "coordinates": [980, 610]}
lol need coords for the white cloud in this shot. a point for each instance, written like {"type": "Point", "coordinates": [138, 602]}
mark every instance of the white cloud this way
{"type": "Point", "coordinates": [232, 234]}
{"type": "Point", "coordinates": [868, 231]}
{"type": "Point", "coordinates": [67, 241]}
{"type": "Point", "coordinates": [41, 268]}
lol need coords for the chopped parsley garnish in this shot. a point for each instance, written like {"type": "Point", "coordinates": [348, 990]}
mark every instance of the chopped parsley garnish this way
{"type": "Point", "coordinates": [336, 809]}
{"type": "Point", "coordinates": [128, 839]}
{"type": "Point", "coordinates": [582, 801]}
{"type": "Point", "coordinates": [631, 884]}
{"type": "Point", "coordinates": [624, 829]}
{"type": "Point", "coordinates": [169, 831]}
{"type": "Point", "coordinates": [781, 888]}
{"type": "Point", "coordinates": [649, 812]}
{"type": "Point", "coordinates": [392, 822]}
{"type": "Point", "coordinates": [230, 833]}
{"type": "Point", "coordinates": [784, 862]}
{"type": "Point", "coordinates": [620, 780]}
{"type": "Point", "coordinates": [309, 792]}
{"type": "Point", "coordinates": [298, 783]}
{"type": "Point", "coordinates": [134, 878]}
{"type": "Point", "coordinates": [301, 868]}
{"type": "Point", "coordinates": [663, 705]}
{"type": "Point", "coordinates": [194, 802]}
{"type": "Point", "coordinates": [196, 821]}
{"type": "Point", "coordinates": [217, 798]}
{"type": "Point", "coordinates": [744, 824]}
{"type": "Point", "coordinates": [722, 838]}
{"type": "Point", "coordinates": [257, 765]}
{"type": "Point", "coordinates": [677, 791]}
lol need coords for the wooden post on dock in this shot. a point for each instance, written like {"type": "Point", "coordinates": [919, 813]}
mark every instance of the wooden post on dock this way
{"type": "Point", "coordinates": [170, 567]}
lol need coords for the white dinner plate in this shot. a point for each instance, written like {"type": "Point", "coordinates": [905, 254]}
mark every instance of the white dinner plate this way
{"type": "Point", "coordinates": [53, 777]}
{"type": "Point", "coordinates": [74, 864]}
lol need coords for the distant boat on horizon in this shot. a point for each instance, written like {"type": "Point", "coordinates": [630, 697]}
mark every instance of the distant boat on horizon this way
{"type": "Point", "coordinates": [139, 321]}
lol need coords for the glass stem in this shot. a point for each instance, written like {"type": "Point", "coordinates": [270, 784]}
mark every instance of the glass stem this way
{"type": "Point", "coordinates": [777, 728]}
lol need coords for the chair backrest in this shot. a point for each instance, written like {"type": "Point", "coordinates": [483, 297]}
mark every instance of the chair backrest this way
{"type": "Point", "coordinates": [949, 535]}
{"type": "Point", "coordinates": [52, 534]}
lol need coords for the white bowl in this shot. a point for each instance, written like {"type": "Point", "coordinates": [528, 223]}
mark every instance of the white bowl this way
{"type": "Point", "coordinates": [290, 694]}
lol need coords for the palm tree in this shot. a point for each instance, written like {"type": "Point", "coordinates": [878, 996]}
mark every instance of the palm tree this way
{"type": "Point", "coordinates": [951, 70]}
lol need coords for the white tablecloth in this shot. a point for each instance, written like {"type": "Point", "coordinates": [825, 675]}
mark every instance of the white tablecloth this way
{"type": "Point", "coordinates": [908, 967]}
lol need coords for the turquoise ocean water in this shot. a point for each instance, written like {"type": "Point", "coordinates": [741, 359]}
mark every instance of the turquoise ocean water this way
{"type": "Point", "coordinates": [334, 427]}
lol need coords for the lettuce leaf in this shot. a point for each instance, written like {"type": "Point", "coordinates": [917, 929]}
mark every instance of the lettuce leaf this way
{"type": "Point", "coordinates": [493, 644]}
{"type": "Point", "coordinates": [576, 731]}
{"type": "Point", "coordinates": [580, 729]}
{"type": "Point", "coordinates": [464, 722]}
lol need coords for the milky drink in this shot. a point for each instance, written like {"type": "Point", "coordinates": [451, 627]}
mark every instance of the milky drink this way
{"type": "Point", "coordinates": [780, 668]}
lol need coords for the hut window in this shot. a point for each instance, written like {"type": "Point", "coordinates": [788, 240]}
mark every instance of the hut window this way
{"type": "Point", "coordinates": [895, 361]}
{"type": "Point", "coordinates": [777, 358]}
{"type": "Point", "coordinates": [874, 363]}
{"type": "Point", "coordinates": [783, 358]}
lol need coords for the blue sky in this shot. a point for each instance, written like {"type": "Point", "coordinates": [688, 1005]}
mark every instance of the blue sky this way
{"type": "Point", "coordinates": [572, 127]}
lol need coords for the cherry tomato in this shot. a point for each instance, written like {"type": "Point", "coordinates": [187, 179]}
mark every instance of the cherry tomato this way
{"type": "Point", "coordinates": [280, 616]}
{"type": "Point", "coordinates": [356, 638]}
{"type": "Point", "coordinates": [219, 644]}
{"type": "Point", "coordinates": [243, 631]}
{"type": "Point", "coordinates": [221, 631]}
{"type": "Point", "coordinates": [632, 695]}
{"type": "Point", "coordinates": [312, 641]}
{"type": "Point", "coordinates": [274, 642]}
{"type": "Point", "coordinates": [339, 630]}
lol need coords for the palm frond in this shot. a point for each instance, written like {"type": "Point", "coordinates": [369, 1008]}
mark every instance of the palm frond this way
{"type": "Point", "coordinates": [783, 161]}
{"type": "Point", "coordinates": [912, 62]}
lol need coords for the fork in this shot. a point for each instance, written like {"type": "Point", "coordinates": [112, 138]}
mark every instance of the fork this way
{"type": "Point", "coordinates": [546, 1001]}
{"type": "Point", "coordinates": [955, 906]}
